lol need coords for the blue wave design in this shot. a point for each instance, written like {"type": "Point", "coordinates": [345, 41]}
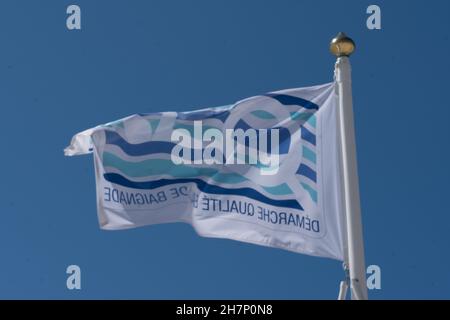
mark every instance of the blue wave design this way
{"type": "Point", "coordinates": [221, 115]}
{"type": "Point", "coordinates": [213, 113]}
{"type": "Point", "coordinates": [308, 135]}
{"type": "Point", "coordinates": [145, 148]}
{"type": "Point", "coordinates": [262, 114]}
{"type": "Point", "coordinates": [138, 149]}
{"type": "Point", "coordinates": [152, 147]}
{"type": "Point", "coordinates": [288, 100]}
{"type": "Point", "coordinates": [154, 167]}
{"type": "Point", "coordinates": [204, 187]}
{"type": "Point", "coordinates": [306, 171]}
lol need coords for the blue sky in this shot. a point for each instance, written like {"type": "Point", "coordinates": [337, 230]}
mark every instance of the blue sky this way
{"type": "Point", "coordinates": [146, 56]}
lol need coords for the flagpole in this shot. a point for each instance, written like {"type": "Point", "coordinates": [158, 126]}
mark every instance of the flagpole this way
{"type": "Point", "coordinates": [342, 47]}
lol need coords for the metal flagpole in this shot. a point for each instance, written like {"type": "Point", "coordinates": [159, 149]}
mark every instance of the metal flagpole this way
{"type": "Point", "coordinates": [342, 47]}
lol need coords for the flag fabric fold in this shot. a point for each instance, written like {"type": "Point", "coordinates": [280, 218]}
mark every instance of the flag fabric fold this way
{"type": "Point", "coordinates": [265, 170]}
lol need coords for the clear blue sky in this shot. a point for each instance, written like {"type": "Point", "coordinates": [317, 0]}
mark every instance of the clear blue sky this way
{"type": "Point", "coordinates": [145, 56]}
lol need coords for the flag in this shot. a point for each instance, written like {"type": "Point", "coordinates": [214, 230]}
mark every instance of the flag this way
{"type": "Point", "coordinates": [265, 170]}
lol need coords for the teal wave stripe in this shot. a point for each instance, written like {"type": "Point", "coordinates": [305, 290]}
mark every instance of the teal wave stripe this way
{"type": "Point", "coordinates": [281, 189]}
{"type": "Point", "coordinates": [153, 167]}
{"type": "Point", "coordinates": [312, 192]}
{"type": "Point", "coordinates": [115, 124]}
{"type": "Point", "coordinates": [309, 154]}
{"type": "Point", "coordinates": [312, 121]}
{"type": "Point", "coordinates": [304, 116]}
{"type": "Point", "coordinates": [263, 114]}
{"type": "Point", "coordinates": [154, 123]}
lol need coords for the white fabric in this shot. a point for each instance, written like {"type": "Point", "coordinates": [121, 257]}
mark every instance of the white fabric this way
{"type": "Point", "coordinates": [297, 209]}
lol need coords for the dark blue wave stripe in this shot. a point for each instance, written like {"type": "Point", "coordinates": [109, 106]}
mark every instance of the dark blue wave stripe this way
{"type": "Point", "coordinates": [143, 114]}
{"type": "Point", "coordinates": [308, 135]}
{"type": "Point", "coordinates": [288, 100]}
{"type": "Point", "coordinates": [138, 149]}
{"type": "Point", "coordinates": [204, 187]}
{"type": "Point", "coordinates": [306, 171]}
{"type": "Point", "coordinates": [152, 147]}
{"type": "Point", "coordinates": [204, 114]}
{"type": "Point", "coordinates": [146, 148]}
{"type": "Point", "coordinates": [221, 115]}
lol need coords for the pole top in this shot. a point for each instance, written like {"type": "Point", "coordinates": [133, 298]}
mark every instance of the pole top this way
{"type": "Point", "coordinates": [342, 46]}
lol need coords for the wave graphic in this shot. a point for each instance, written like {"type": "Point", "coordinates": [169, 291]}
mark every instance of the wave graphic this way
{"type": "Point", "coordinates": [203, 187]}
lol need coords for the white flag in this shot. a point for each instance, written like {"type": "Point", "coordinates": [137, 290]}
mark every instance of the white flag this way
{"type": "Point", "coordinates": [264, 170]}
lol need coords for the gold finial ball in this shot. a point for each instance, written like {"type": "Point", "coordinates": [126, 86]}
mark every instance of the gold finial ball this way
{"type": "Point", "coordinates": [342, 46]}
